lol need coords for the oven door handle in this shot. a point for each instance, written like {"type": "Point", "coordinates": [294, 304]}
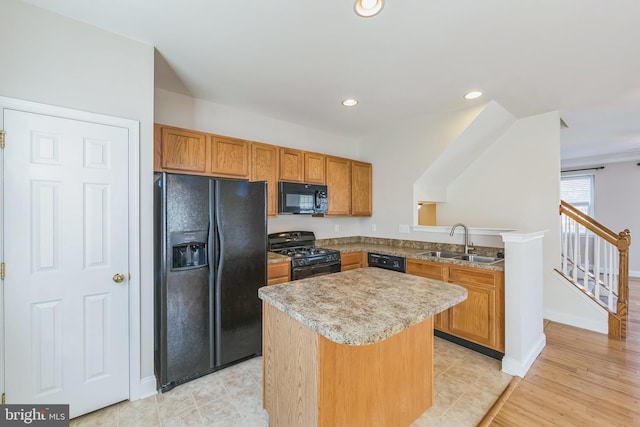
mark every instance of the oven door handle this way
{"type": "Point", "coordinates": [317, 266]}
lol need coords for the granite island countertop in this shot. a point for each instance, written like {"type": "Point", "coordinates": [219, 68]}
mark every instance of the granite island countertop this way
{"type": "Point", "coordinates": [362, 306]}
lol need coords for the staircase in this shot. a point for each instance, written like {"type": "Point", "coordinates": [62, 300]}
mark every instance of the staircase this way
{"type": "Point", "coordinates": [596, 261]}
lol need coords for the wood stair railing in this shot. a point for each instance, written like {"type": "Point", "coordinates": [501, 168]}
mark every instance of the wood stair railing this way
{"type": "Point", "coordinates": [596, 260]}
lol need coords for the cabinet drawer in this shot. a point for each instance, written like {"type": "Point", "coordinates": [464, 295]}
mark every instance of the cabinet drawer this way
{"type": "Point", "coordinates": [473, 276]}
{"type": "Point", "coordinates": [278, 273]}
{"type": "Point", "coordinates": [430, 270]}
{"type": "Point", "coordinates": [352, 260]}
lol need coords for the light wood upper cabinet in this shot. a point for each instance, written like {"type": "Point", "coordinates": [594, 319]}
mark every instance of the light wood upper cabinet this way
{"type": "Point", "coordinates": [179, 150]}
{"type": "Point", "coordinates": [229, 157]}
{"type": "Point", "coordinates": [291, 165]}
{"type": "Point", "coordinates": [361, 189]}
{"type": "Point", "coordinates": [264, 167]}
{"type": "Point", "coordinates": [338, 186]}
{"type": "Point", "coordinates": [198, 153]}
{"type": "Point", "coordinates": [314, 168]}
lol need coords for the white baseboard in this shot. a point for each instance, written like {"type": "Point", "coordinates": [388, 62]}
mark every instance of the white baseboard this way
{"type": "Point", "coordinates": [519, 368]}
{"type": "Point", "coordinates": [578, 322]}
{"type": "Point", "coordinates": [634, 273]}
{"type": "Point", "coordinates": [148, 387]}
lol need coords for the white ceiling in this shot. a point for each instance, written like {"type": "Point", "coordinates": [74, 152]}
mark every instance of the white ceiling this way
{"type": "Point", "coordinates": [297, 59]}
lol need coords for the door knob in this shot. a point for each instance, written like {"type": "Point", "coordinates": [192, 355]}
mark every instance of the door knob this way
{"type": "Point", "coordinates": [118, 278]}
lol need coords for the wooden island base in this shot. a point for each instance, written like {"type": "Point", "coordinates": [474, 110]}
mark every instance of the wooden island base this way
{"type": "Point", "coordinates": [311, 381]}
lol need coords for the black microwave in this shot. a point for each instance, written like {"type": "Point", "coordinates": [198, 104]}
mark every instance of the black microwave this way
{"type": "Point", "coordinates": [298, 198]}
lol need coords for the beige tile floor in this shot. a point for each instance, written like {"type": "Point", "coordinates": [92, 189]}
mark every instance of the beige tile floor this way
{"type": "Point", "coordinates": [466, 386]}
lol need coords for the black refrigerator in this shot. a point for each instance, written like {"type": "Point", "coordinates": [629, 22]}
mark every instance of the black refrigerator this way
{"type": "Point", "coordinates": [210, 244]}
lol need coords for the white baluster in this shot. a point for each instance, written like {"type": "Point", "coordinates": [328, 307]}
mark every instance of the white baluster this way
{"type": "Point", "coordinates": [610, 301]}
{"type": "Point", "coordinates": [565, 241]}
{"type": "Point", "coordinates": [586, 261]}
{"type": "Point", "coordinates": [576, 252]}
{"type": "Point", "coordinates": [596, 267]}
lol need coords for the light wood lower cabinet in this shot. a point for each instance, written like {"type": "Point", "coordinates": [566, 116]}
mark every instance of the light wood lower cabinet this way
{"type": "Point", "coordinates": [353, 260]}
{"type": "Point", "coordinates": [432, 270]}
{"type": "Point", "coordinates": [279, 272]}
{"type": "Point", "coordinates": [480, 318]}
{"type": "Point", "coordinates": [309, 380]}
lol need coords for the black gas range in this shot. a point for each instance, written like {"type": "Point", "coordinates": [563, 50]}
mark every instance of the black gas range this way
{"type": "Point", "coordinates": [307, 260]}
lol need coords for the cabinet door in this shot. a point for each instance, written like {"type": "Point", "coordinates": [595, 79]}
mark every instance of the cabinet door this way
{"type": "Point", "coordinates": [278, 273]}
{"type": "Point", "coordinates": [314, 168]}
{"type": "Point", "coordinates": [291, 165]}
{"type": "Point", "coordinates": [264, 167]}
{"type": "Point", "coordinates": [352, 260]}
{"type": "Point", "coordinates": [360, 189]}
{"type": "Point", "coordinates": [180, 150]}
{"type": "Point", "coordinates": [338, 186]}
{"type": "Point", "coordinates": [229, 157]}
{"type": "Point", "coordinates": [437, 271]}
{"type": "Point", "coordinates": [479, 318]}
{"type": "Point", "coordinates": [473, 319]}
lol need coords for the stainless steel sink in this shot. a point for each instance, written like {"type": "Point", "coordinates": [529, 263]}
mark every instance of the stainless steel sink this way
{"type": "Point", "coordinates": [462, 257]}
{"type": "Point", "coordinates": [479, 258]}
{"type": "Point", "coordinates": [440, 254]}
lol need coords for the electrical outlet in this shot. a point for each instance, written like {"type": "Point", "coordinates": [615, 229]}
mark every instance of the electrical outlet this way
{"type": "Point", "coordinates": [403, 228]}
{"type": "Point", "coordinates": [336, 228]}
{"type": "Point", "coordinates": [373, 227]}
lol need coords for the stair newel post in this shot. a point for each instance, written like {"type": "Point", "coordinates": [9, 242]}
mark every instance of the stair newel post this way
{"type": "Point", "coordinates": [624, 241]}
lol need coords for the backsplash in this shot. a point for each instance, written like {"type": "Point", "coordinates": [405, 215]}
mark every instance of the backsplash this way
{"type": "Point", "coordinates": [413, 244]}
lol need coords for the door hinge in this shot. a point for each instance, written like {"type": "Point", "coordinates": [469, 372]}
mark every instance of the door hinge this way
{"type": "Point", "coordinates": [2, 136]}
{"type": "Point", "coordinates": [4, 399]}
{"type": "Point", "coordinates": [2, 269]}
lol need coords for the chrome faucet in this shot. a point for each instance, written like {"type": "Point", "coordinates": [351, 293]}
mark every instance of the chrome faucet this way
{"type": "Point", "coordinates": [466, 235]}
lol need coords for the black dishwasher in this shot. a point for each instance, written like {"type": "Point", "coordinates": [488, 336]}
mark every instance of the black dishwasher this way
{"type": "Point", "coordinates": [388, 262]}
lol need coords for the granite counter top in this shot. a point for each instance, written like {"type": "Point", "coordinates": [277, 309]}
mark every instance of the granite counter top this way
{"type": "Point", "coordinates": [362, 306]}
{"type": "Point", "coordinates": [274, 258]}
{"type": "Point", "coordinates": [409, 253]}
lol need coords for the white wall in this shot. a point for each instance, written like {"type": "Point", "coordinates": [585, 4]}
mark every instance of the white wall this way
{"type": "Point", "coordinates": [617, 204]}
{"type": "Point", "coordinates": [183, 111]}
{"type": "Point", "coordinates": [516, 184]}
{"type": "Point", "coordinates": [400, 155]}
{"type": "Point", "coordinates": [54, 60]}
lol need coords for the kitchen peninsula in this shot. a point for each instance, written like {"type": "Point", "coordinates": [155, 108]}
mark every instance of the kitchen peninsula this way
{"type": "Point", "coordinates": [352, 348]}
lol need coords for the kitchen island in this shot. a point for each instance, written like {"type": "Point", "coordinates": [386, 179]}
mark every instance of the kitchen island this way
{"type": "Point", "coordinates": [352, 348]}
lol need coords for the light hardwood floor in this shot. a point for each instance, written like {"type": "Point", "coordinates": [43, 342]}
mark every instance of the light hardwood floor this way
{"type": "Point", "coordinates": [581, 378]}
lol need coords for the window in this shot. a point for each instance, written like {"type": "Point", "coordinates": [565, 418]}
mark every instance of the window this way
{"type": "Point", "coordinates": [577, 190]}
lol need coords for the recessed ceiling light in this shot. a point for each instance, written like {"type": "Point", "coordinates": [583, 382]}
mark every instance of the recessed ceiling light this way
{"type": "Point", "coordinates": [368, 8]}
{"type": "Point", "coordinates": [349, 102]}
{"type": "Point", "coordinates": [473, 95]}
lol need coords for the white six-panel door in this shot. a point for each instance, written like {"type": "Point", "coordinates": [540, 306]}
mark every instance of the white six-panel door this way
{"type": "Point", "coordinates": [65, 243]}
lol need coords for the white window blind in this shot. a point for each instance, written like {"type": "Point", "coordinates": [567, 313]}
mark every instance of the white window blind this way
{"type": "Point", "coordinates": [577, 190]}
